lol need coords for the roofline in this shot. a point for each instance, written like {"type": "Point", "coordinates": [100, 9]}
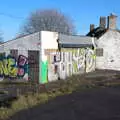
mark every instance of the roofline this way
{"type": "Point", "coordinates": [20, 37]}
{"type": "Point", "coordinates": [75, 45]}
{"type": "Point", "coordinates": [41, 31]}
{"type": "Point", "coordinates": [116, 30]}
{"type": "Point", "coordinates": [75, 35]}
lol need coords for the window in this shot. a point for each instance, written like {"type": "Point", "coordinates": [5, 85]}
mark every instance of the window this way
{"type": "Point", "coordinates": [14, 53]}
{"type": "Point", "coordinates": [99, 52]}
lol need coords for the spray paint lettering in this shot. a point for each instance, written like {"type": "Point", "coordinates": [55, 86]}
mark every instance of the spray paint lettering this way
{"type": "Point", "coordinates": [72, 62]}
{"type": "Point", "coordinates": [90, 60]}
{"type": "Point", "coordinates": [10, 67]}
{"type": "Point", "coordinates": [78, 56]}
{"type": "Point", "coordinates": [22, 65]}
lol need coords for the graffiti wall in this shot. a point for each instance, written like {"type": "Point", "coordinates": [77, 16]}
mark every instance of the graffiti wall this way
{"type": "Point", "coordinates": [11, 67]}
{"type": "Point", "coordinates": [60, 65]}
{"type": "Point", "coordinates": [52, 66]}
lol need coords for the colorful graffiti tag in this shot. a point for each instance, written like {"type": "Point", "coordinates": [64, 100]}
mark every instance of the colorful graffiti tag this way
{"type": "Point", "coordinates": [11, 67]}
{"type": "Point", "coordinates": [22, 65]}
{"type": "Point", "coordinates": [71, 61]}
{"type": "Point", "coordinates": [8, 67]}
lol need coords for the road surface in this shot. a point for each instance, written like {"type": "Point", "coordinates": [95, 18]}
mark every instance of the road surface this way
{"type": "Point", "coordinates": [93, 104]}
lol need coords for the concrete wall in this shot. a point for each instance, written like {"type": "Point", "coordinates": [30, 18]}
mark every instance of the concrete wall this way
{"type": "Point", "coordinates": [48, 42]}
{"type": "Point", "coordinates": [37, 42]}
{"type": "Point", "coordinates": [70, 61]}
{"type": "Point", "coordinates": [53, 64]}
{"type": "Point", "coordinates": [110, 42]}
{"type": "Point", "coordinates": [17, 66]}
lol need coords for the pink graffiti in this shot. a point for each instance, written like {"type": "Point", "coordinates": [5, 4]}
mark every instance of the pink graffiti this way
{"type": "Point", "coordinates": [21, 71]}
{"type": "Point", "coordinates": [22, 60]}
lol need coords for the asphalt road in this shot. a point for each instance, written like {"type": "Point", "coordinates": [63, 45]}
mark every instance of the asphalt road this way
{"type": "Point", "coordinates": [95, 104]}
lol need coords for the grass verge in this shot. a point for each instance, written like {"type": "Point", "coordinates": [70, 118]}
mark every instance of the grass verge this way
{"type": "Point", "coordinates": [58, 88]}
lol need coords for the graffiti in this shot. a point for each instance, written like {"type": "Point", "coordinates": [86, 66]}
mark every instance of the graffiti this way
{"type": "Point", "coordinates": [22, 65]}
{"type": "Point", "coordinates": [10, 67]}
{"type": "Point", "coordinates": [78, 56]}
{"type": "Point", "coordinates": [90, 60]}
{"type": "Point", "coordinates": [22, 60]}
{"type": "Point", "coordinates": [71, 61]}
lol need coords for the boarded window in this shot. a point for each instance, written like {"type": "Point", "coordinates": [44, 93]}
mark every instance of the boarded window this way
{"type": "Point", "coordinates": [33, 57]}
{"type": "Point", "coordinates": [14, 53]}
{"type": "Point", "coordinates": [33, 66]}
{"type": "Point", "coordinates": [99, 52]}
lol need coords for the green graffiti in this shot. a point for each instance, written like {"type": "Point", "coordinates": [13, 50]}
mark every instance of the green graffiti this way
{"type": "Point", "coordinates": [81, 51]}
{"type": "Point", "coordinates": [12, 70]}
{"type": "Point", "coordinates": [7, 67]}
{"type": "Point", "coordinates": [44, 72]}
{"type": "Point", "coordinates": [75, 67]}
{"type": "Point", "coordinates": [4, 65]}
{"type": "Point", "coordinates": [1, 68]}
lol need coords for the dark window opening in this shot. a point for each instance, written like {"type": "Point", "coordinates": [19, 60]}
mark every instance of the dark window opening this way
{"type": "Point", "coordinates": [99, 52]}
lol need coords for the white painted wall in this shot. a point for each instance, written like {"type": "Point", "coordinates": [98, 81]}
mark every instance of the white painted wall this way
{"type": "Point", "coordinates": [110, 42]}
{"type": "Point", "coordinates": [48, 41]}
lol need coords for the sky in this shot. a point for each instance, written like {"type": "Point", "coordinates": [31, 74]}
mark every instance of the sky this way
{"type": "Point", "coordinates": [13, 13]}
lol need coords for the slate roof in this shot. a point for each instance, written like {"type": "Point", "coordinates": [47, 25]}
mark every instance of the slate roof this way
{"type": "Point", "coordinates": [97, 32]}
{"type": "Point", "coordinates": [74, 41]}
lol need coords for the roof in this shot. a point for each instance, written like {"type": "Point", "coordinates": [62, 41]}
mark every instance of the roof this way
{"type": "Point", "coordinates": [22, 36]}
{"type": "Point", "coordinates": [74, 41]}
{"type": "Point", "coordinates": [97, 32]}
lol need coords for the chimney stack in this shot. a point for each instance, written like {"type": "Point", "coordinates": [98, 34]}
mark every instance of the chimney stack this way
{"type": "Point", "coordinates": [112, 20]}
{"type": "Point", "coordinates": [103, 22]}
{"type": "Point", "coordinates": [92, 27]}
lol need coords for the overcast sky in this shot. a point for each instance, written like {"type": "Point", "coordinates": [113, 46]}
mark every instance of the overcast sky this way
{"type": "Point", "coordinates": [84, 12]}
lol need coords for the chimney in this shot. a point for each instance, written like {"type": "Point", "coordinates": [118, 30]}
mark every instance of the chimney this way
{"type": "Point", "coordinates": [92, 27]}
{"type": "Point", "coordinates": [112, 19]}
{"type": "Point", "coordinates": [103, 22]}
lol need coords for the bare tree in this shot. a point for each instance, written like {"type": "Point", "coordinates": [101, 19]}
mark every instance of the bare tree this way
{"type": "Point", "coordinates": [1, 37]}
{"type": "Point", "coordinates": [48, 20]}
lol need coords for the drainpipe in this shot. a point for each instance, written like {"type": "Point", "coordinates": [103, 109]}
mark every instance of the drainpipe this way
{"type": "Point", "coordinates": [95, 46]}
{"type": "Point", "coordinates": [40, 58]}
{"type": "Point", "coordinates": [59, 48]}
{"type": "Point", "coordinates": [93, 42]}
{"type": "Point", "coordinates": [85, 59]}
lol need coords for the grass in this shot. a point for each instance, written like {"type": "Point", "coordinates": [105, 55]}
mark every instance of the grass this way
{"type": "Point", "coordinates": [58, 88]}
{"type": "Point", "coordinates": [32, 99]}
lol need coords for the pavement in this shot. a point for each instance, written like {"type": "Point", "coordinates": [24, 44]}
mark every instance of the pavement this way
{"type": "Point", "coordinates": [91, 104]}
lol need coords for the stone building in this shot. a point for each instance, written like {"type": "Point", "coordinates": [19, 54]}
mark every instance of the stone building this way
{"type": "Point", "coordinates": [107, 43]}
